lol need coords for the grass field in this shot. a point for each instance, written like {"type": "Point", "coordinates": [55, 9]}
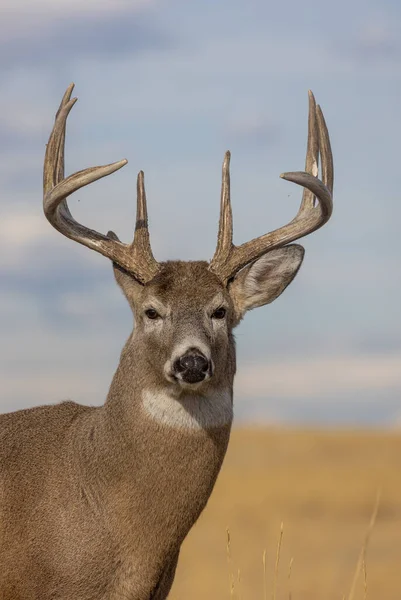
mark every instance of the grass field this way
{"type": "Point", "coordinates": [322, 485]}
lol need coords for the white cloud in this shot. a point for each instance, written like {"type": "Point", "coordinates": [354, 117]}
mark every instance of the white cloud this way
{"type": "Point", "coordinates": [15, 166]}
{"type": "Point", "coordinates": [67, 7]}
{"type": "Point", "coordinates": [18, 16]}
{"type": "Point", "coordinates": [22, 228]}
{"type": "Point", "coordinates": [373, 43]}
{"type": "Point", "coordinates": [81, 304]}
{"type": "Point", "coordinates": [316, 377]}
{"type": "Point", "coordinates": [21, 119]}
{"type": "Point", "coordinates": [26, 238]}
{"type": "Point", "coordinates": [377, 37]}
{"type": "Point", "coordinates": [21, 111]}
{"type": "Point", "coordinates": [51, 387]}
{"type": "Point", "coordinates": [252, 125]}
{"type": "Point", "coordinates": [20, 231]}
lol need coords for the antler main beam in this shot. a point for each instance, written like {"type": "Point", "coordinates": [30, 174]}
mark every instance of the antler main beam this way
{"type": "Point", "coordinates": [228, 258]}
{"type": "Point", "coordinates": [137, 258]}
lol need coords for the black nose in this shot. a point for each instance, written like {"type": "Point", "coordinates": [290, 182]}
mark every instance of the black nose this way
{"type": "Point", "coordinates": [192, 366]}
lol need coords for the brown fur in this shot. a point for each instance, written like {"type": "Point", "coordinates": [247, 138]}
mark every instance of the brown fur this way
{"type": "Point", "coordinates": [96, 502]}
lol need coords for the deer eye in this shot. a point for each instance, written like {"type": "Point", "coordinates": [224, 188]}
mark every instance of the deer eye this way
{"type": "Point", "coordinates": [219, 313]}
{"type": "Point", "coordinates": [151, 313]}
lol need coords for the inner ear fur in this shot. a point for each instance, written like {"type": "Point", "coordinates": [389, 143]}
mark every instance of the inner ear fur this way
{"type": "Point", "coordinates": [264, 280]}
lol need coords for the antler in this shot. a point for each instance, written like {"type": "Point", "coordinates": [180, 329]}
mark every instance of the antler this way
{"type": "Point", "coordinates": [228, 258]}
{"type": "Point", "coordinates": [137, 258]}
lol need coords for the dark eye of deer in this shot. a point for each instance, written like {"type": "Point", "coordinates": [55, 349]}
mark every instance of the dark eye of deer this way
{"type": "Point", "coordinates": [151, 313]}
{"type": "Point", "coordinates": [219, 313]}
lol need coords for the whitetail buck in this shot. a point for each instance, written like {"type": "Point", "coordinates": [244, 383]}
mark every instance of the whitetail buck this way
{"type": "Point", "coordinates": [95, 502]}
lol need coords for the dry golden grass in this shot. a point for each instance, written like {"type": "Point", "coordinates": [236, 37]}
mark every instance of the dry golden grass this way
{"type": "Point", "coordinates": [322, 485]}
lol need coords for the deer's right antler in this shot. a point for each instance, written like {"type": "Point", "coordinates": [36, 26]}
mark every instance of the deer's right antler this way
{"type": "Point", "coordinates": [228, 258]}
{"type": "Point", "coordinates": [137, 258]}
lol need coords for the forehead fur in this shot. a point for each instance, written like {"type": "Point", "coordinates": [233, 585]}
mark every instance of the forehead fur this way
{"type": "Point", "coordinates": [179, 278]}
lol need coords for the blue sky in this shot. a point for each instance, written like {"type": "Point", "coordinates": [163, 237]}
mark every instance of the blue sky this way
{"type": "Point", "coordinates": [171, 86]}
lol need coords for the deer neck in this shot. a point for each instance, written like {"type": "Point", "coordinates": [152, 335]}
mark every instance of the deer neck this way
{"type": "Point", "coordinates": [158, 454]}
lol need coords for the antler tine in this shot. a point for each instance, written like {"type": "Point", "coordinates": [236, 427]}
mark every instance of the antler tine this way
{"type": "Point", "coordinates": [318, 137]}
{"type": "Point", "coordinates": [56, 190]}
{"type": "Point", "coordinates": [309, 217]}
{"type": "Point", "coordinates": [140, 248]}
{"type": "Point", "coordinates": [53, 171]}
{"type": "Point", "coordinates": [325, 151]}
{"type": "Point", "coordinates": [225, 235]}
{"type": "Point", "coordinates": [312, 152]}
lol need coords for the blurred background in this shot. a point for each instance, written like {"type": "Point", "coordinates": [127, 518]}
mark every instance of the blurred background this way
{"type": "Point", "coordinates": [171, 85]}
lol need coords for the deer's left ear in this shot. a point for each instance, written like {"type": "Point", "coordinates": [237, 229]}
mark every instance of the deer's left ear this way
{"type": "Point", "coordinates": [264, 280]}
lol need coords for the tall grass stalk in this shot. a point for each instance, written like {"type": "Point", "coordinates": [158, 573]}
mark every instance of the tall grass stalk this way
{"type": "Point", "coordinates": [362, 555]}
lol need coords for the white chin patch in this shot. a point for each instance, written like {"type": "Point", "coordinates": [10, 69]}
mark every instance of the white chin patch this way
{"type": "Point", "coordinates": [189, 412]}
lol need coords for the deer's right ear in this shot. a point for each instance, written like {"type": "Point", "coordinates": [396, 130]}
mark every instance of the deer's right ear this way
{"type": "Point", "coordinates": [265, 279]}
{"type": "Point", "coordinates": [127, 282]}
{"type": "Point", "coordinates": [130, 287]}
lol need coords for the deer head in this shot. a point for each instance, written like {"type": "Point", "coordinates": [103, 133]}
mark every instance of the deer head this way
{"type": "Point", "coordinates": [185, 311]}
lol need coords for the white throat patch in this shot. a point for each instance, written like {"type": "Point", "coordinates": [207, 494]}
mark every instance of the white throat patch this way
{"type": "Point", "coordinates": [189, 412]}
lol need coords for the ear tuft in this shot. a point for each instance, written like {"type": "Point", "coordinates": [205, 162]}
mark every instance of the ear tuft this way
{"type": "Point", "coordinates": [264, 280]}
